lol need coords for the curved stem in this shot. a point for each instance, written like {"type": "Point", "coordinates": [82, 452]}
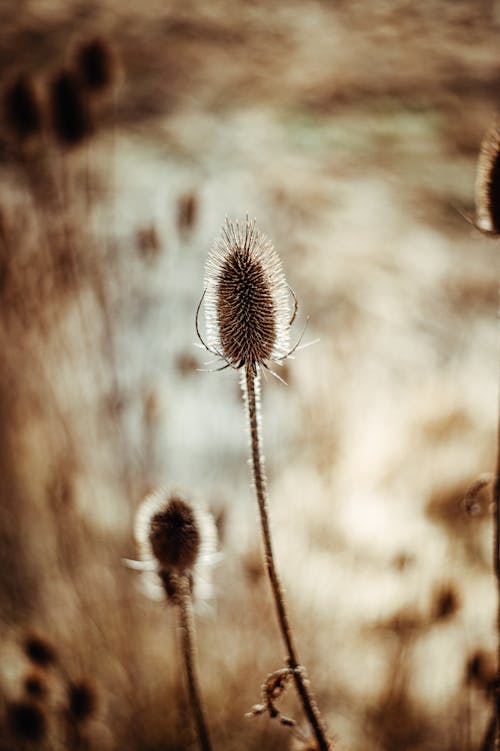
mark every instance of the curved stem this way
{"type": "Point", "coordinates": [188, 643]}
{"type": "Point", "coordinates": [250, 385]}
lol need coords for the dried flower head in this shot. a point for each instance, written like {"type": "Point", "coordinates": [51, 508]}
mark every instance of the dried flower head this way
{"type": "Point", "coordinates": [96, 64]}
{"type": "Point", "coordinates": [488, 182]}
{"type": "Point", "coordinates": [27, 721]}
{"type": "Point", "coordinates": [174, 536]}
{"type": "Point", "coordinates": [247, 299]}
{"type": "Point", "coordinates": [22, 106]}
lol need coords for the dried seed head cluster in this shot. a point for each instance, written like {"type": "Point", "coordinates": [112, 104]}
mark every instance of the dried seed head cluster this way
{"type": "Point", "coordinates": [174, 536]}
{"type": "Point", "coordinates": [247, 299]}
{"type": "Point", "coordinates": [488, 182]}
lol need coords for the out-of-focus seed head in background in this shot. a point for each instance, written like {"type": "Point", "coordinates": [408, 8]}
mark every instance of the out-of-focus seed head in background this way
{"type": "Point", "coordinates": [351, 132]}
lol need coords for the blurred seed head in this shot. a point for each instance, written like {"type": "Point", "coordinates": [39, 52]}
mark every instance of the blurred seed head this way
{"type": "Point", "coordinates": [174, 536]}
{"type": "Point", "coordinates": [96, 63]}
{"type": "Point", "coordinates": [70, 115]}
{"type": "Point", "coordinates": [82, 700]}
{"type": "Point", "coordinates": [35, 685]}
{"type": "Point", "coordinates": [27, 721]}
{"type": "Point", "coordinates": [446, 603]}
{"type": "Point", "coordinates": [480, 670]}
{"type": "Point", "coordinates": [488, 182]}
{"type": "Point", "coordinates": [22, 108]}
{"type": "Point", "coordinates": [247, 302]}
{"type": "Point", "coordinates": [40, 650]}
{"type": "Point", "coordinates": [187, 211]}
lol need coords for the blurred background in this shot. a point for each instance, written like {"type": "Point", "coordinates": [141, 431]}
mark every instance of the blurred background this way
{"type": "Point", "coordinates": [350, 130]}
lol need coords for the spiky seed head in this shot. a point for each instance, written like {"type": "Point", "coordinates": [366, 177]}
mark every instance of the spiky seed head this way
{"type": "Point", "coordinates": [174, 536]}
{"type": "Point", "coordinates": [27, 721]}
{"type": "Point", "coordinates": [70, 115]}
{"type": "Point", "coordinates": [22, 107]}
{"type": "Point", "coordinates": [488, 182]}
{"type": "Point", "coordinates": [247, 302]}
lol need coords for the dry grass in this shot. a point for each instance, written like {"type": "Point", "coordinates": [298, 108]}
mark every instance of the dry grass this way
{"type": "Point", "coordinates": [352, 134]}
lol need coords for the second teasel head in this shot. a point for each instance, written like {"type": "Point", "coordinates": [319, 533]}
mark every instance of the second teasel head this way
{"type": "Point", "coordinates": [175, 536]}
{"type": "Point", "coordinates": [247, 299]}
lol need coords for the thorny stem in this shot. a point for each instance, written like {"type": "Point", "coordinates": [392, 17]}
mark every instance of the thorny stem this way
{"type": "Point", "coordinates": [186, 621]}
{"type": "Point", "coordinates": [250, 383]}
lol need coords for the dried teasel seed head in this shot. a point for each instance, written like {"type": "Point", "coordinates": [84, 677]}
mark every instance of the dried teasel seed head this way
{"type": "Point", "coordinates": [175, 536]}
{"type": "Point", "coordinates": [82, 700]}
{"type": "Point", "coordinates": [69, 111]}
{"type": "Point", "coordinates": [488, 182]}
{"type": "Point", "coordinates": [247, 299]}
{"type": "Point", "coordinates": [22, 107]}
{"type": "Point", "coordinates": [39, 650]}
{"type": "Point", "coordinates": [96, 63]}
{"type": "Point", "coordinates": [27, 721]}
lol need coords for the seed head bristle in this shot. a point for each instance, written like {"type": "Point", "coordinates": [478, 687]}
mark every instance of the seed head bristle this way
{"type": "Point", "coordinates": [23, 111]}
{"type": "Point", "coordinates": [174, 536]}
{"type": "Point", "coordinates": [70, 115]}
{"type": "Point", "coordinates": [488, 182]}
{"type": "Point", "coordinates": [247, 300]}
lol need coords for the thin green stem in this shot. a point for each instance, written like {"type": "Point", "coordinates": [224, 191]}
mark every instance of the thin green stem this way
{"type": "Point", "coordinates": [188, 643]}
{"type": "Point", "coordinates": [250, 387]}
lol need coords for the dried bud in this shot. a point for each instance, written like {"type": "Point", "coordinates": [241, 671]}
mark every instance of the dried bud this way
{"type": "Point", "coordinates": [39, 650]}
{"type": "Point", "coordinates": [27, 721]}
{"type": "Point", "coordinates": [96, 64]}
{"type": "Point", "coordinates": [247, 298]}
{"type": "Point", "coordinates": [22, 108]}
{"type": "Point", "coordinates": [174, 536]}
{"type": "Point", "coordinates": [488, 182]}
{"type": "Point", "coordinates": [70, 115]}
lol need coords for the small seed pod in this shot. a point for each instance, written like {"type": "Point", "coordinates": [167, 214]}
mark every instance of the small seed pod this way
{"type": "Point", "coordinates": [174, 537]}
{"type": "Point", "coordinates": [488, 182]}
{"type": "Point", "coordinates": [69, 111]}
{"type": "Point", "coordinates": [23, 111]}
{"type": "Point", "coordinates": [96, 64]}
{"type": "Point", "coordinates": [247, 299]}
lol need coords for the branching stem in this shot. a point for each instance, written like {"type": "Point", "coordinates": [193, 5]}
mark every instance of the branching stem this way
{"type": "Point", "coordinates": [188, 643]}
{"type": "Point", "coordinates": [251, 387]}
